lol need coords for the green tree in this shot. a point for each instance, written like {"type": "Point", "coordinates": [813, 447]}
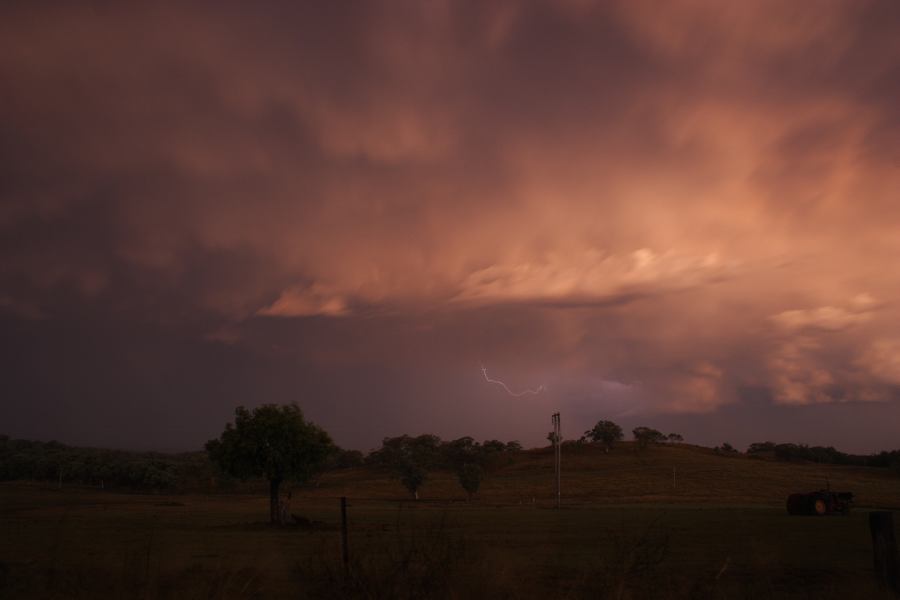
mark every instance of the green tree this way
{"type": "Point", "coordinates": [606, 433]}
{"type": "Point", "coordinates": [493, 446]}
{"type": "Point", "coordinates": [726, 448]}
{"type": "Point", "coordinates": [644, 436]}
{"type": "Point", "coordinates": [470, 476]}
{"type": "Point", "coordinates": [412, 476]}
{"type": "Point", "coordinates": [274, 442]}
{"type": "Point", "coordinates": [761, 448]}
{"type": "Point", "coordinates": [462, 451]}
{"type": "Point", "coordinates": [513, 446]}
{"type": "Point", "coordinates": [409, 458]}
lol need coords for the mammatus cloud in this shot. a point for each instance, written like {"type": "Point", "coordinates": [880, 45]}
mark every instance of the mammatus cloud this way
{"type": "Point", "coordinates": [882, 360]}
{"type": "Point", "coordinates": [824, 354]}
{"type": "Point", "coordinates": [829, 318]}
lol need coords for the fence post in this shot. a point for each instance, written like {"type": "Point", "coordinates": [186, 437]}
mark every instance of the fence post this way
{"type": "Point", "coordinates": [884, 549]}
{"type": "Point", "coordinates": [345, 550]}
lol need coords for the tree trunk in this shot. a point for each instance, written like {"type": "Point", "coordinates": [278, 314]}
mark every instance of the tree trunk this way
{"type": "Point", "coordinates": [274, 513]}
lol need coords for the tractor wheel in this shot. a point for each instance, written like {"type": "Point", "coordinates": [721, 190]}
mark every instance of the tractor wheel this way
{"type": "Point", "coordinates": [819, 507]}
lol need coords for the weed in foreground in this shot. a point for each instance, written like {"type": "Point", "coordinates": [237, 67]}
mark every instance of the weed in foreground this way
{"type": "Point", "coordinates": [418, 559]}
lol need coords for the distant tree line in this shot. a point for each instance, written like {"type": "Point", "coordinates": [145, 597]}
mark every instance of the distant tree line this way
{"type": "Point", "coordinates": [823, 454]}
{"type": "Point", "coordinates": [607, 434]}
{"type": "Point", "coordinates": [410, 459]}
{"type": "Point", "coordinates": [232, 457]}
{"type": "Point", "coordinates": [53, 461]}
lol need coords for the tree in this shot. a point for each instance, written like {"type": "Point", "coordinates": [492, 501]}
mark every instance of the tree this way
{"type": "Point", "coordinates": [409, 458]}
{"type": "Point", "coordinates": [412, 476]}
{"type": "Point", "coordinates": [606, 433]}
{"type": "Point", "coordinates": [726, 448]}
{"type": "Point", "coordinates": [470, 476]}
{"type": "Point", "coordinates": [492, 454]}
{"type": "Point", "coordinates": [461, 451]}
{"type": "Point", "coordinates": [513, 446]}
{"type": "Point", "coordinates": [644, 436]}
{"type": "Point", "coordinates": [675, 438]}
{"type": "Point", "coordinates": [492, 446]}
{"type": "Point", "coordinates": [761, 448]}
{"type": "Point", "coordinates": [274, 442]}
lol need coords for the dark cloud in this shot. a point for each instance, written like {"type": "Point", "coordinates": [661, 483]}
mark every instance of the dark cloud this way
{"type": "Point", "coordinates": [646, 208]}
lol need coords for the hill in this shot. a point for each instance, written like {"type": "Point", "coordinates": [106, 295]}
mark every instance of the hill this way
{"type": "Point", "coordinates": [678, 474]}
{"type": "Point", "coordinates": [665, 473]}
{"type": "Point", "coordinates": [625, 531]}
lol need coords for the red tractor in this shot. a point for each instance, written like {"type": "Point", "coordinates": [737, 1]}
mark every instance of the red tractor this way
{"type": "Point", "coordinates": [823, 502]}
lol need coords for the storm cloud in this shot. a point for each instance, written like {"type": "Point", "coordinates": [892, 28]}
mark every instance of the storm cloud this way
{"type": "Point", "coordinates": [682, 215]}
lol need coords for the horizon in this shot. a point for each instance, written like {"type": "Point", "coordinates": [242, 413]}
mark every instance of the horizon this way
{"type": "Point", "coordinates": [681, 216]}
{"type": "Point", "coordinates": [542, 444]}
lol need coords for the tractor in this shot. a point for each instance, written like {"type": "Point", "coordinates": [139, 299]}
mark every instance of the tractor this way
{"type": "Point", "coordinates": [822, 502]}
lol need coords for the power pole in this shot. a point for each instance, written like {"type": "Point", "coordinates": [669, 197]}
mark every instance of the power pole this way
{"type": "Point", "coordinates": [557, 454]}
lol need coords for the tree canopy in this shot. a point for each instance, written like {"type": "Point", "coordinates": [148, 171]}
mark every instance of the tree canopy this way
{"type": "Point", "coordinates": [274, 442]}
{"type": "Point", "coordinates": [470, 475]}
{"type": "Point", "coordinates": [411, 458]}
{"type": "Point", "coordinates": [644, 436]}
{"type": "Point", "coordinates": [606, 433]}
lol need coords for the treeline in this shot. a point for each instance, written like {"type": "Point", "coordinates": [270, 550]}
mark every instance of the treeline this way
{"type": "Point", "coordinates": [434, 453]}
{"type": "Point", "coordinates": [407, 458]}
{"type": "Point", "coordinates": [823, 454]}
{"type": "Point", "coordinates": [53, 461]}
{"type": "Point", "coordinates": [410, 459]}
{"type": "Point", "coordinates": [27, 460]}
{"type": "Point", "coordinates": [413, 457]}
{"type": "Point", "coordinates": [607, 434]}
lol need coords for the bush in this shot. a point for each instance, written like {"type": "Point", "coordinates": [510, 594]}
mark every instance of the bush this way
{"type": "Point", "coordinates": [417, 560]}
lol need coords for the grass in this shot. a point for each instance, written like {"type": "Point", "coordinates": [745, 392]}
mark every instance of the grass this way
{"type": "Point", "coordinates": [626, 476]}
{"type": "Point", "coordinates": [623, 532]}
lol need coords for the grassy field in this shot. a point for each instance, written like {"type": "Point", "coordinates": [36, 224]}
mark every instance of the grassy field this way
{"type": "Point", "coordinates": [623, 532]}
{"type": "Point", "coordinates": [626, 476]}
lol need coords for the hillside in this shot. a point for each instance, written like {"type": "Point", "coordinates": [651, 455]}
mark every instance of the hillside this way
{"type": "Point", "coordinates": [701, 476]}
{"type": "Point", "coordinates": [626, 476]}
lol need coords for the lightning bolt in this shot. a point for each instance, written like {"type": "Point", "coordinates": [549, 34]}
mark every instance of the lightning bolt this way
{"type": "Point", "coordinates": [535, 391]}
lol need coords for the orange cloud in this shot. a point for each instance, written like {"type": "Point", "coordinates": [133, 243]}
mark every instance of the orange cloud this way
{"type": "Point", "coordinates": [679, 196]}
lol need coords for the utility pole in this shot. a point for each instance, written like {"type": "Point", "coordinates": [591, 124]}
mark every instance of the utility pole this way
{"type": "Point", "coordinates": [557, 454]}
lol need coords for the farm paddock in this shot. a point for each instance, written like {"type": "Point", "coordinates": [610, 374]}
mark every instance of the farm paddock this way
{"type": "Point", "coordinates": [83, 543]}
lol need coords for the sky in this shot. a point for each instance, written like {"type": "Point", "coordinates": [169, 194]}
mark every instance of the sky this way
{"type": "Point", "coordinates": [682, 215]}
